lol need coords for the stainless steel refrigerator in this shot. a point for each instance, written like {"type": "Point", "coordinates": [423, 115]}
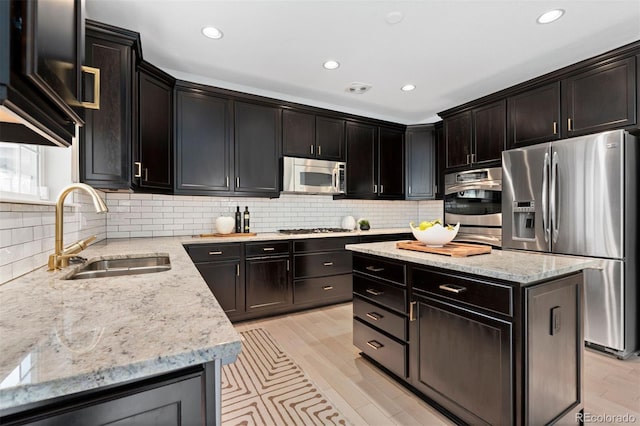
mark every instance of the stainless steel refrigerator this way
{"type": "Point", "coordinates": [578, 197]}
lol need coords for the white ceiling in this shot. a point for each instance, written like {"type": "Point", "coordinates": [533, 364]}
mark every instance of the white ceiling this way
{"type": "Point", "coordinates": [453, 51]}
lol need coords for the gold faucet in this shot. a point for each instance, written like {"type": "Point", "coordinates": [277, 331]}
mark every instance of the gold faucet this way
{"type": "Point", "coordinates": [60, 258]}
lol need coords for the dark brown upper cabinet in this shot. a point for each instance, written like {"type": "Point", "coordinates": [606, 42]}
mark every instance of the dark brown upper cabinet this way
{"type": "Point", "coordinates": [204, 149]}
{"type": "Point", "coordinates": [420, 163]}
{"type": "Point", "coordinates": [489, 132]}
{"type": "Point", "coordinates": [390, 161]}
{"type": "Point", "coordinates": [41, 54]}
{"type": "Point", "coordinates": [600, 99]}
{"type": "Point", "coordinates": [361, 160]}
{"type": "Point", "coordinates": [458, 139]}
{"type": "Point", "coordinates": [475, 137]}
{"type": "Point", "coordinates": [105, 140]}
{"type": "Point", "coordinates": [534, 116]}
{"type": "Point", "coordinates": [257, 137]}
{"type": "Point", "coordinates": [311, 136]}
{"type": "Point", "coordinates": [153, 150]}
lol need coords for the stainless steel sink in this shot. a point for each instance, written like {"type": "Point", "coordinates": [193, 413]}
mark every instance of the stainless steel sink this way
{"type": "Point", "coordinates": [118, 267]}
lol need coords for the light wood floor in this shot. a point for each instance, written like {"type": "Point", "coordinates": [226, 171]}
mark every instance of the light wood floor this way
{"type": "Point", "coordinates": [320, 341]}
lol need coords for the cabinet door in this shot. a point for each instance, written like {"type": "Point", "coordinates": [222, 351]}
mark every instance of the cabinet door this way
{"type": "Point", "coordinates": [421, 172]}
{"type": "Point", "coordinates": [361, 156]}
{"type": "Point", "coordinates": [223, 278]}
{"type": "Point", "coordinates": [298, 134]}
{"type": "Point", "coordinates": [457, 133]}
{"type": "Point", "coordinates": [330, 138]}
{"type": "Point", "coordinates": [390, 163]}
{"type": "Point", "coordinates": [534, 116]}
{"type": "Point", "coordinates": [601, 99]}
{"type": "Point", "coordinates": [267, 284]}
{"type": "Point", "coordinates": [105, 146]}
{"type": "Point", "coordinates": [155, 118]}
{"type": "Point", "coordinates": [462, 361]}
{"type": "Point", "coordinates": [489, 130]}
{"type": "Point", "coordinates": [257, 148]}
{"type": "Point", "coordinates": [203, 145]}
{"type": "Point", "coordinates": [178, 403]}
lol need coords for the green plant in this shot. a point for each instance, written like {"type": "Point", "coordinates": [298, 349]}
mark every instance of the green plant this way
{"type": "Point", "coordinates": [364, 222]}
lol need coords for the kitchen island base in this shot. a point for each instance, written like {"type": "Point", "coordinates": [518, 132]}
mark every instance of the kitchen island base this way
{"type": "Point", "coordinates": [480, 350]}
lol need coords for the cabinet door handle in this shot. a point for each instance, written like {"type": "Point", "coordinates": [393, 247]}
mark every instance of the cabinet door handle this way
{"type": "Point", "coordinates": [227, 181]}
{"type": "Point", "coordinates": [327, 287]}
{"type": "Point", "coordinates": [319, 149]}
{"type": "Point", "coordinates": [468, 159]}
{"type": "Point", "coordinates": [214, 253]}
{"type": "Point", "coordinates": [374, 316]}
{"type": "Point", "coordinates": [569, 124]}
{"type": "Point", "coordinates": [328, 263]}
{"type": "Point", "coordinates": [238, 182]}
{"type": "Point", "coordinates": [381, 188]}
{"type": "Point", "coordinates": [374, 269]}
{"type": "Point", "coordinates": [138, 173]}
{"type": "Point", "coordinates": [311, 149]}
{"type": "Point", "coordinates": [374, 292]}
{"type": "Point", "coordinates": [412, 311]}
{"type": "Point", "coordinates": [375, 344]}
{"type": "Point", "coordinates": [288, 266]}
{"type": "Point", "coordinates": [555, 127]}
{"type": "Point", "coordinates": [238, 270]}
{"type": "Point", "coordinates": [268, 249]}
{"type": "Point", "coordinates": [146, 174]}
{"type": "Point", "coordinates": [96, 87]}
{"type": "Point", "coordinates": [452, 288]}
{"type": "Point", "coordinates": [375, 188]}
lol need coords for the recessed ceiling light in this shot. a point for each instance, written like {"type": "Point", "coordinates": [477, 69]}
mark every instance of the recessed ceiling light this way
{"type": "Point", "coordinates": [212, 32]}
{"type": "Point", "coordinates": [331, 65]}
{"type": "Point", "coordinates": [393, 18]}
{"type": "Point", "coordinates": [408, 87]}
{"type": "Point", "coordinates": [550, 16]}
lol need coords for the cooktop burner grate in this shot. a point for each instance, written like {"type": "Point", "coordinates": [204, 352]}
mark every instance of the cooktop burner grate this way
{"type": "Point", "coordinates": [312, 230]}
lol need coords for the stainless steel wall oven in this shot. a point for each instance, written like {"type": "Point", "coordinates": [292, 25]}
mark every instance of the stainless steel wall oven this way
{"type": "Point", "coordinates": [474, 198]}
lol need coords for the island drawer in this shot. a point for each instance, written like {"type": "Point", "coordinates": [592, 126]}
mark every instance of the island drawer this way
{"type": "Point", "coordinates": [388, 295]}
{"type": "Point", "coordinates": [380, 268]}
{"type": "Point", "coordinates": [381, 318]}
{"type": "Point", "coordinates": [490, 296]}
{"type": "Point", "coordinates": [335, 288]}
{"type": "Point", "coordinates": [388, 352]}
{"type": "Point", "coordinates": [319, 264]}
{"type": "Point", "coordinates": [323, 244]}
{"type": "Point", "coordinates": [267, 248]}
{"type": "Point", "coordinates": [213, 252]}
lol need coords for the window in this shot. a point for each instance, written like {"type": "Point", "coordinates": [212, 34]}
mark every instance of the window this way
{"type": "Point", "coordinates": [33, 173]}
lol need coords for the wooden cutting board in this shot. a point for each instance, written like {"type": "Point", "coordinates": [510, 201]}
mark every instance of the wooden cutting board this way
{"type": "Point", "coordinates": [233, 234]}
{"type": "Point", "coordinates": [450, 249]}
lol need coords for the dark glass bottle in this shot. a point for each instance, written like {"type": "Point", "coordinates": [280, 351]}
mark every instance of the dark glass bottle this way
{"type": "Point", "coordinates": [238, 220]}
{"type": "Point", "coordinates": [246, 219]}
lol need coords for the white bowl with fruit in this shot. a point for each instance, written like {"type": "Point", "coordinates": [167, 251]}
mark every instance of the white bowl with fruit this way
{"type": "Point", "coordinates": [433, 234]}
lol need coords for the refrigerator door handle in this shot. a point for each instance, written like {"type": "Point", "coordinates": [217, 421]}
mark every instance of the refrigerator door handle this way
{"type": "Point", "coordinates": [554, 198]}
{"type": "Point", "coordinates": [545, 197]}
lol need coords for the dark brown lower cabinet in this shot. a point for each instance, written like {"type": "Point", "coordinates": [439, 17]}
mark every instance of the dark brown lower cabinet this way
{"type": "Point", "coordinates": [267, 283]}
{"type": "Point", "coordinates": [179, 398]}
{"type": "Point", "coordinates": [223, 278]}
{"type": "Point", "coordinates": [481, 351]}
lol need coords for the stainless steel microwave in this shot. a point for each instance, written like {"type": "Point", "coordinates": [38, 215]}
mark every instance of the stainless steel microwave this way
{"type": "Point", "coordinates": [311, 176]}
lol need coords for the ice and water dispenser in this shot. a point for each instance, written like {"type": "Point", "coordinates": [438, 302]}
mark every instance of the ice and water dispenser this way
{"type": "Point", "coordinates": [524, 220]}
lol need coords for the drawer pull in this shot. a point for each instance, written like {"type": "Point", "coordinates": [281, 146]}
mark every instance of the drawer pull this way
{"type": "Point", "coordinates": [452, 288]}
{"type": "Point", "coordinates": [213, 253]}
{"type": "Point", "coordinates": [327, 287]}
{"type": "Point", "coordinates": [374, 269]}
{"type": "Point", "coordinates": [374, 316]}
{"type": "Point", "coordinates": [412, 311]}
{"type": "Point", "coordinates": [328, 263]}
{"type": "Point", "coordinates": [374, 292]}
{"type": "Point", "coordinates": [375, 344]}
{"type": "Point", "coordinates": [268, 249]}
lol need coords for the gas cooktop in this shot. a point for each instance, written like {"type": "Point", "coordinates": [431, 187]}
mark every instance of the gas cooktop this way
{"type": "Point", "coordinates": [312, 230]}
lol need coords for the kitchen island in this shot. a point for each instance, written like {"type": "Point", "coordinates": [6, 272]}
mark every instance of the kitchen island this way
{"type": "Point", "coordinates": [487, 339]}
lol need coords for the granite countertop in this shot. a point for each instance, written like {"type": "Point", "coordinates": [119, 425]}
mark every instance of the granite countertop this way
{"type": "Point", "coordinates": [519, 267]}
{"type": "Point", "coordinates": [59, 337]}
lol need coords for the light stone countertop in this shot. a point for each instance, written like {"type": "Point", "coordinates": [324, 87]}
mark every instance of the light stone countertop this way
{"type": "Point", "coordinates": [520, 267]}
{"type": "Point", "coordinates": [59, 337]}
